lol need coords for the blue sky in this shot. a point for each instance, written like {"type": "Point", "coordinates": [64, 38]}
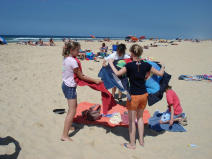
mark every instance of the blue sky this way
{"type": "Point", "coordinates": [153, 18]}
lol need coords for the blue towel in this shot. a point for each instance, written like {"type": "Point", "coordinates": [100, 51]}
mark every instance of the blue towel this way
{"type": "Point", "coordinates": [108, 78]}
{"type": "Point", "coordinates": [111, 80]}
{"type": "Point", "coordinates": [155, 125]}
{"type": "Point", "coordinates": [153, 83]}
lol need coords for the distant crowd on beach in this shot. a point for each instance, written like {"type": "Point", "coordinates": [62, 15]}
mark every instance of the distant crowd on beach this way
{"type": "Point", "coordinates": [40, 42]}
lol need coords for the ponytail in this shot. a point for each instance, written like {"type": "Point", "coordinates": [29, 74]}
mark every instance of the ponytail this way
{"type": "Point", "coordinates": [137, 50]}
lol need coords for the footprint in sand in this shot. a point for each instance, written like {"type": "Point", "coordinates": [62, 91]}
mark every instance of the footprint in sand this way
{"type": "Point", "coordinates": [91, 69]}
{"type": "Point", "coordinates": [39, 124]}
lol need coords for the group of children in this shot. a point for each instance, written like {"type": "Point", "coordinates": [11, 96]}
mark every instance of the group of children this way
{"type": "Point", "coordinates": [136, 72]}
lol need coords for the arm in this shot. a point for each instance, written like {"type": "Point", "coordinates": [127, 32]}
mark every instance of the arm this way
{"type": "Point", "coordinates": [104, 63]}
{"type": "Point", "coordinates": [172, 115]}
{"type": "Point", "coordinates": [85, 78]}
{"type": "Point", "coordinates": [111, 56]}
{"type": "Point", "coordinates": [118, 73]}
{"type": "Point", "coordinates": [156, 72]}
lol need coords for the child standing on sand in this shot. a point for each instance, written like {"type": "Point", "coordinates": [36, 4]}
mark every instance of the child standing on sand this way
{"type": "Point", "coordinates": [70, 67]}
{"type": "Point", "coordinates": [175, 111]}
{"type": "Point", "coordinates": [136, 72]}
{"type": "Point", "coordinates": [118, 55]}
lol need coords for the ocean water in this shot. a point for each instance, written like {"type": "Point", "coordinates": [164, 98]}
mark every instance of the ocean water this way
{"type": "Point", "coordinates": [19, 38]}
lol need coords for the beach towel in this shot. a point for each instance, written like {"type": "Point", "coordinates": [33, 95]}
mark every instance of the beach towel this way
{"type": "Point", "coordinates": [155, 125]}
{"type": "Point", "coordinates": [107, 98]}
{"type": "Point", "coordinates": [105, 119]}
{"type": "Point", "coordinates": [111, 80]}
{"type": "Point", "coordinates": [195, 77]}
{"type": "Point", "coordinates": [156, 97]}
{"type": "Point", "coordinates": [153, 83]}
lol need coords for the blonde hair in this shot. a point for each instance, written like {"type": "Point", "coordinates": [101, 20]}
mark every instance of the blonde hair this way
{"type": "Point", "coordinates": [69, 46]}
{"type": "Point", "coordinates": [136, 49]}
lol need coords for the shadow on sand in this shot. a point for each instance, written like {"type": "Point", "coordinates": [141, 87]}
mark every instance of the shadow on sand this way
{"type": "Point", "coordinates": [6, 141]}
{"type": "Point", "coordinates": [118, 131]}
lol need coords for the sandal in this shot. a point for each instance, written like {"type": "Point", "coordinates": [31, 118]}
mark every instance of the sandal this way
{"type": "Point", "coordinates": [128, 146]}
{"type": "Point", "coordinates": [120, 99]}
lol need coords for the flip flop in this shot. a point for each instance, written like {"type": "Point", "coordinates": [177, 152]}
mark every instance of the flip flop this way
{"type": "Point", "coordinates": [59, 111]}
{"type": "Point", "coordinates": [125, 145]}
{"type": "Point", "coordinates": [120, 99]}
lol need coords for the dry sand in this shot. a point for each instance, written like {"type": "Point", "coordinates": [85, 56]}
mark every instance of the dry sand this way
{"type": "Point", "coordinates": [30, 88]}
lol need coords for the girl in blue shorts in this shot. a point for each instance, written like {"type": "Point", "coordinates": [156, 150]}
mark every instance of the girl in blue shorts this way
{"type": "Point", "coordinates": [70, 67]}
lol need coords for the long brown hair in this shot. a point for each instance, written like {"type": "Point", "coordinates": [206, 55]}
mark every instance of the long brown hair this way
{"type": "Point", "coordinates": [69, 46]}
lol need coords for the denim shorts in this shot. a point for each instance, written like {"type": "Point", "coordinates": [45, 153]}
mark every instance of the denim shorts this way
{"type": "Point", "coordinates": [69, 92]}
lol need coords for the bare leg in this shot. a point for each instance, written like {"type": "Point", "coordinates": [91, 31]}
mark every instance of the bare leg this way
{"type": "Point", "coordinates": [140, 126]}
{"type": "Point", "coordinates": [132, 128]}
{"type": "Point", "coordinates": [113, 91]}
{"type": "Point", "coordinates": [120, 94]}
{"type": "Point", "coordinates": [176, 119]}
{"type": "Point", "coordinates": [72, 103]}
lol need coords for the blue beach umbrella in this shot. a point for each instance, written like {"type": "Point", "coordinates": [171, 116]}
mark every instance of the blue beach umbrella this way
{"type": "Point", "coordinates": [2, 40]}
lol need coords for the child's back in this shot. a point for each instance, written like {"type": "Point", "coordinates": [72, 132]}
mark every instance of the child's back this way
{"type": "Point", "coordinates": [172, 99]}
{"type": "Point", "coordinates": [136, 71]}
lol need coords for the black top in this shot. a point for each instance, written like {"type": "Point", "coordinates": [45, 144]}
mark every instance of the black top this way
{"type": "Point", "coordinates": [136, 72]}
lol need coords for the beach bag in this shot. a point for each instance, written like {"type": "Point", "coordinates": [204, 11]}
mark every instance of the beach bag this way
{"type": "Point", "coordinates": [93, 113]}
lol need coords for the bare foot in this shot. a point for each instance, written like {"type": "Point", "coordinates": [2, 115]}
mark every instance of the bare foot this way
{"type": "Point", "coordinates": [160, 122]}
{"type": "Point", "coordinates": [66, 139]}
{"type": "Point", "coordinates": [141, 142]}
{"type": "Point", "coordinates": [129, 146]}
{"type": "Point", "coordinates": [72, 128]}
{"type": "Point", "coordinates": [183, 121]}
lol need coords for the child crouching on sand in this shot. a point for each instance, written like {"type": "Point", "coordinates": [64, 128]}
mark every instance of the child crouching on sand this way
{"type": "Point", "coordinates": [70, 67]}
{"type": "Point", "coordinates": [175, 111]}
{"type": "Point", "coordinates": [136, 72]}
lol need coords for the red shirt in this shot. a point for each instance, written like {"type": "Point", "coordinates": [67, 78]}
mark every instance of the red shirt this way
{"type": "Point", "coordinates": [172, 99]}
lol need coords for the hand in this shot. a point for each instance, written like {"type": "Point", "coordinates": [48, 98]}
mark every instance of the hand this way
{"type": "Point", "coordinates": [162, 66]}
{"type": "Point", "coordinates": [98, 81]}
{"type": "Point", "coordinates": [104, 64]}
{"type": "Point", "coordinates": [171, 122]}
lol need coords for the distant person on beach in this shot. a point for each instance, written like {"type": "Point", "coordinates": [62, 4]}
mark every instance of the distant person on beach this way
{"type": "Point", "coordinates": [114, 47]}
{"type": "Point", "coordinates": [71, 67]}
{"type": "Point", "coordinates": [175, 111]}
{"type": "Point", "coordinates": [30, 43]}
{"type": "Point", "coordinates": [40, 42]}
{"type": "Point", "coordinates": [104, 48]}
{"type": "Point", "coordinates": [120, 54]}
{"type": "Point", "coordinates": [51, 42]}
{"type": "Point", "coordinates": [136, 72]}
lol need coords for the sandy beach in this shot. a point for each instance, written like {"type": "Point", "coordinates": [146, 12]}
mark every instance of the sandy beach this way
{"type": "Point", "coordinates": [30, 88]}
